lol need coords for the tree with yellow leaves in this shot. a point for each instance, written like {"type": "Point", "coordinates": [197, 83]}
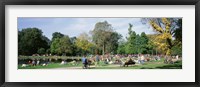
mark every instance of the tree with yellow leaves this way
{"type": "Point", "coordinates": [83, 42]}
{"type": "Point", "coordinates": [165, 28]}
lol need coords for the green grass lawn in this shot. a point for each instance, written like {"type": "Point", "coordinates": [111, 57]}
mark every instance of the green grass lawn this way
{"type": "Point", "coordinates": [49, 66]}
{"type": "Point", "coordinates": [147, 65]}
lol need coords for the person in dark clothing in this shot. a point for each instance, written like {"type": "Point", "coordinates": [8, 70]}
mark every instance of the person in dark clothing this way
{"type": "Point", "coordinates": [97, 60]}
{"type": "Point", "coordinates": [85, 62]}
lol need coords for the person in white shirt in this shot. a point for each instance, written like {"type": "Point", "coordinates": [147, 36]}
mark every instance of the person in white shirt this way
{"type": "Point", "coordinates": [139, 59]}
{"type": "Point", "coordinates": [177, 57]}
{"type": "Point", "coordinates": [142, 59]}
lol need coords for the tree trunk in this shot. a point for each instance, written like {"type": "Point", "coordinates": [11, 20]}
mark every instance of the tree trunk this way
{"type": "Point", "coordinates": [103, 49]}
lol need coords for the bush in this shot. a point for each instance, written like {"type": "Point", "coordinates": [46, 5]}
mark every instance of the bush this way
{"type": "Point", "coordinates": [41, 51]}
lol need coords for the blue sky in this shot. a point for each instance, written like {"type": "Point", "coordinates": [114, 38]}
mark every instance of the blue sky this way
{"type": "Point", "coordinates": [76, 26]}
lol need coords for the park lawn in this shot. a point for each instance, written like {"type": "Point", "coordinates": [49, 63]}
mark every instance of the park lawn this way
{"type": "Point", "coordinates": [147, 65]}
{"type": "Point", "coordinates": [49, 66]}
{"type": "Point", "coordinates": [55, 65]}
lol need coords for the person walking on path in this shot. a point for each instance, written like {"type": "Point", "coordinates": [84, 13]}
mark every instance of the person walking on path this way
{"type": "Point", "coordinates": [85, 62]}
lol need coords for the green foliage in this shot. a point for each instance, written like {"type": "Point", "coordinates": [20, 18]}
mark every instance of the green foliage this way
{"type": "Point", "coordinates": [143, 43]}
{"type": "Point", "coordinates": [112, 43]}
{"type": "Point", "coordinates": [41, 51]}
{"type": "Point", "coordinates": [57, 35]}
{"type": "Point", "coordinates": [178, 34]}
{"type": "Point", "coordinates": [121, 48]}
{"type": "Point", "coordinates": [136, 43]}
{"type": "Point", "coordinates": [73, 46]}
{"type": "Point", "coordinates": [105, 37]}
{"type": "Point", "coordinates": [84, 44]}
{"type": "Point", "coordinates": [48, 51]}
{"type": "Point", "coordinates": [167, 29]}
{"type": "Point", "coordinates": [176, 50]}
{"type": "Point", "coordinates": [55, 45]}
{"type": "Point", "coordinates": [61, 46]}
{"type": "Point", "coordinates": [30, 40]}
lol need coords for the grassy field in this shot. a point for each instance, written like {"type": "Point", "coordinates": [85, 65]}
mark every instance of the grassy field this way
{"type": "Point", "coordinates": [49, 66]}
{"type": "Point", "coordinates": [147, 65]}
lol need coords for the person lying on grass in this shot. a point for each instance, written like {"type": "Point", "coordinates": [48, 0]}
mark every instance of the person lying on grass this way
{"type": "Point", "coordinates": [127, 62]}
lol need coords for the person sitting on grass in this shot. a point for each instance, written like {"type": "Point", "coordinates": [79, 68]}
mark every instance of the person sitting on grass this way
{"type": "Point", "coordinates": [142, 59]}
{"type": "Point", "coordinates": [33, 62]}
{"type": "Point", "coordinates": [106, 61]}
{"type": "Point", "coordinates": [38, 62]}
{"type": "Point", "coordinates": [129, 62]}
{"type": "Point", "coordinates": [139, 59]}
{"type": "Point", "coordinates": [84, 61]}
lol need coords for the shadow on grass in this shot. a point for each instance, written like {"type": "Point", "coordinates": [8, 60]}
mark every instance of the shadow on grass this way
{"type": "Point", "coordinates": [173, 66]}
{"type": "Point", "coordinates": [146, 68]}
{"type": "Point", "coordinates": [176, 65]}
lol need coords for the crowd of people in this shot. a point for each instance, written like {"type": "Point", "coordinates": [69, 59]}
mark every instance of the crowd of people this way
{"type": "Point", "coordinates": [122, 60]}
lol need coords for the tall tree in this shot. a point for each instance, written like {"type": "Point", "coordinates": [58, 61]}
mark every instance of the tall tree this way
{"type": "Point", "coordinates": [121, 47]}
{"type": "Point", "coordinates": [152, 48]}
{"type": "Point", "coordinates": [61, 46]}
{"type": "Point", "coordinates": [57, 35]}
{"type": "Point", "coordinates": [143, 43]}
{"type": "Point", "coordinates": [30, 40]}
{"type": "Point", "coordinates": [55, 46]}
{"type": "Point", "coordinates": [131, 47]}
{"type": "Point", "coordinates": [66, 45]}
{"type": "Point", "coordinates": [165, 27]}
{"type": "Point", "coordinates": [47, 40]}
{"type": "Point", "coordinates": [177, 33]}
{"type": "Point", "coordinates": [74, 47]}
{"type": "Point", "coordinates": [136, 43]}
{"type": "Point", "coordinates": [102, 34]}
{"type": "Point", "coordinates": [112, 43]}
{"type": "Point", "coordinates": [84, 43]}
